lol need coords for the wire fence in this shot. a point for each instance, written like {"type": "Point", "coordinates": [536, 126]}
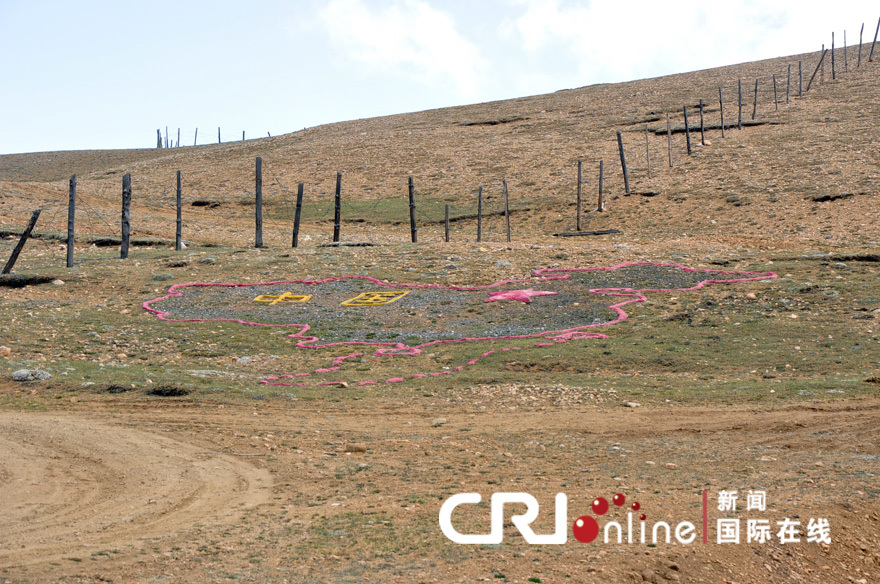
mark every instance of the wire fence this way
{"type": "Point", "coordinates": [212, 209]}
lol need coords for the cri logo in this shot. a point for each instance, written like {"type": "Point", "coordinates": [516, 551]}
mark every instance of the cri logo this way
{"type": "Point", "coordinates": [585, 528]}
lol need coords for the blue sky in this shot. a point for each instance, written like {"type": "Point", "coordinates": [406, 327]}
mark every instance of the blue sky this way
{"type": "Point", "coordinates": [107, 74]}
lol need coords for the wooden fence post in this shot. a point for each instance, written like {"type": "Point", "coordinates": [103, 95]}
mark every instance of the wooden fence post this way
{"type": "Point", "coordinates": [775, 97]}
{"type": "Point", "coordinates": [337, 206]}
{"type": "Point", "coordinates": [822, 71]}
{"type": "Point", "coordinates": [578, 207]}
{"type": "Point", "coordinates": [702, 126]}
{"type": "Point", "coordinates": [821, 60]}
{"type": "Point", "coordinates": [196, 139]}
{"type": "Point", "coordinates": [480, 214]}
{"type": "Point", "coordinates": [871, 56]}
{"type": "Point", "coordinates": [755, 109]}
{"type": "Point", "coordinates": [178, 236]}
{"type": "Point", "coordinates": [833, 70]}
{"type": "Point", "coordinates": [669, 139]}
{"type": "Point", "coordinates": [158, 139]}
{"type": "Point", "coordinates": [447, 222]}
{"type": "Point", "coordinates": [601, 205]}
{"type": "Point", "coordinates": [623, 162]}
{"type": "Point", "coordinates": [178, 137]}
{"type": "Point", "coordinates": [800, 79]}
{"type": "Point", "coordinates": [166, 137]}
{"type": "Point", "coordinates": [126, 215]}
{"type": "Point", "coordinates": [242, 135]}
{"type": "Point", "coordinates": [71, 219]}
{"type": "Point", "coordinates": [506, 207]}
{"type": "Point", "coordinates": [845, 57]}
{"type": "Point", "coordinates": [861, 32]}
{"type": "Point", "coordinates": [412, 212]}
{"type": "Point", "coordinates": [788, 86]}
{"type": "Point", "coordinates": [687, 131]}
{"type": "Point", "coordinates": [18, 247]}
{"type": "Point", "coordinates": [739, 93]}
{"type": "Point", "coordinates": [647, 152]}
{"type": "Point", "coordinates": [218, 135]}
{"type": "Point", "coordinates": [296, 216]}
{"type": "Point", "coordinates": [721, 107]}
{"type": "Point", "coordinates": [258, 235]}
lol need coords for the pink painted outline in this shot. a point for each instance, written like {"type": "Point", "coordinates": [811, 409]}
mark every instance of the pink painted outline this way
{"type": "Point", "coordinates": [394, 349]}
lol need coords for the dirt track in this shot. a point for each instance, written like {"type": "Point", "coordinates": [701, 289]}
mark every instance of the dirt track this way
{"type": "Point", "coordinates": [148, 495]}
{"type": "Point", "coordinates": [74, 485]}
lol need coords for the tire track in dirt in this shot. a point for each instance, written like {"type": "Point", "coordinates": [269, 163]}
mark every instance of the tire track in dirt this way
{"type": "Point", "coordinates": [73, 487]}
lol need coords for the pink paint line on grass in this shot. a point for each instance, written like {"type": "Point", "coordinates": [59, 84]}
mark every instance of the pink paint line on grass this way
{"type": "Point", "coordinates": [394, 349]}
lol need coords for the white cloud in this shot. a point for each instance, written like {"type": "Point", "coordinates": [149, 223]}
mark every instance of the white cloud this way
{"type": "Point", "coordinates": [614, 40]}
{"type": "Point", "coordinates": [407, 37]}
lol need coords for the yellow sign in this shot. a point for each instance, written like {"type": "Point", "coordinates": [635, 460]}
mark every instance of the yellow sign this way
{"type": "Point", "coordinates": [286, 297]}
{"type": "Point", "coordinates": [375, 298]}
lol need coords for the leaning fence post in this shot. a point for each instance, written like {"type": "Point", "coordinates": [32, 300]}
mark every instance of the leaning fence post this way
{"type": "Point", "coordinates": [687, 130]}
{"type": "Point", "coordinates": [647, 152]}
{"type": "Point", "coordinates": [126, 215]}
{"type": "Point", "coordinates": [721, 107]}
{"type": "Point", "coordinates": [299, 204]}
{"type": "Point", "coordinates": [578, 207]}
{"type": "Point", "coordinates": [21, 242]}
{"type": "Point", "coordinates": [506, 207]}
{"type": "Point", "coordinates": [447, 222]}
{"type": "Point", "coordinates": [71, 218]}
{"type": "Point", "coordinates": [871, 56]}
{"type": "Point", "coordinates": [412, 212]}
{"type": "Point", "coordinates": [196, 139]}
{"type": "Point", "coordinates": [623, 162]}
{"type": "Point", "coordinates": [258, 236]}
{"type": "Point", "coordinates": [337, 207]}
{"type": "Point", "coordinates": [601, 206]}
{"type": "Point", "coordinates": [480, 214]}
{"type": "Point", "coordinates": [821, 60]}
{"type": "Point", "coordinates": [178, 236]}
{"type": "Point", "coordinates": [861, 32]}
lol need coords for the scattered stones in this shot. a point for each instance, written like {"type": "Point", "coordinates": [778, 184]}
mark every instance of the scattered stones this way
{"type": "Point", "coordinates": [57, 282]}
{"type": "Point", "coordinates": [5, 351]}
{"type": "Point", "coordinates": [671, 465]}
{"type": "Point", "coordinates": [243, 360]}
{"type": "Point", "coordinates": [632, 404]}
{"type": "Point", "coordinates": [503, 264]}
{"type": "Point", "coordinates": [355, 448]}
{"type": "Point", "coordinates": [162, 277]}
{"type": "Point", "coordinates": [648, 575]}
{"type": "Point", "coordinates": [30, 375]}
{"type": "Point", "coordinates": [208, 261]}
{"type": "Point", "coordinates": [436, 422]}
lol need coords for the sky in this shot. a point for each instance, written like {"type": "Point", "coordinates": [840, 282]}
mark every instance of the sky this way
{"type": "Point", "coordinates": [107, 74]}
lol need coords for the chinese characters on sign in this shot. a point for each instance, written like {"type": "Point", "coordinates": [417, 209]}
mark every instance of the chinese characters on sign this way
{"type": "Point", "coordinates": [762, 530]}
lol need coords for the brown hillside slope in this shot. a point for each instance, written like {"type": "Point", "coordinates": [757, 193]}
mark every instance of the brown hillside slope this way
{"type": "Point", "coordinates": [758, 182]}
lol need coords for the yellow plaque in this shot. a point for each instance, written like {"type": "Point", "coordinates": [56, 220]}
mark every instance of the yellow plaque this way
{"type": "Point", "coordinates": [282, 298]}
{"type": "Point", "coordinates": [375, 298]}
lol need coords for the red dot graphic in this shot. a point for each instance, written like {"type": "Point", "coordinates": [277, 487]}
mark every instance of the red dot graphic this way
{"type": "Point", "coordinates": [618, 499]}
{"type": "Point", "coordinates": [636, 506]}
{"type": "Point", "coordinates": [585, 529]}
{"type": "Point", "coordinates": [600, 506]}
{"type": "Point", "coordinates": [642, 517]}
